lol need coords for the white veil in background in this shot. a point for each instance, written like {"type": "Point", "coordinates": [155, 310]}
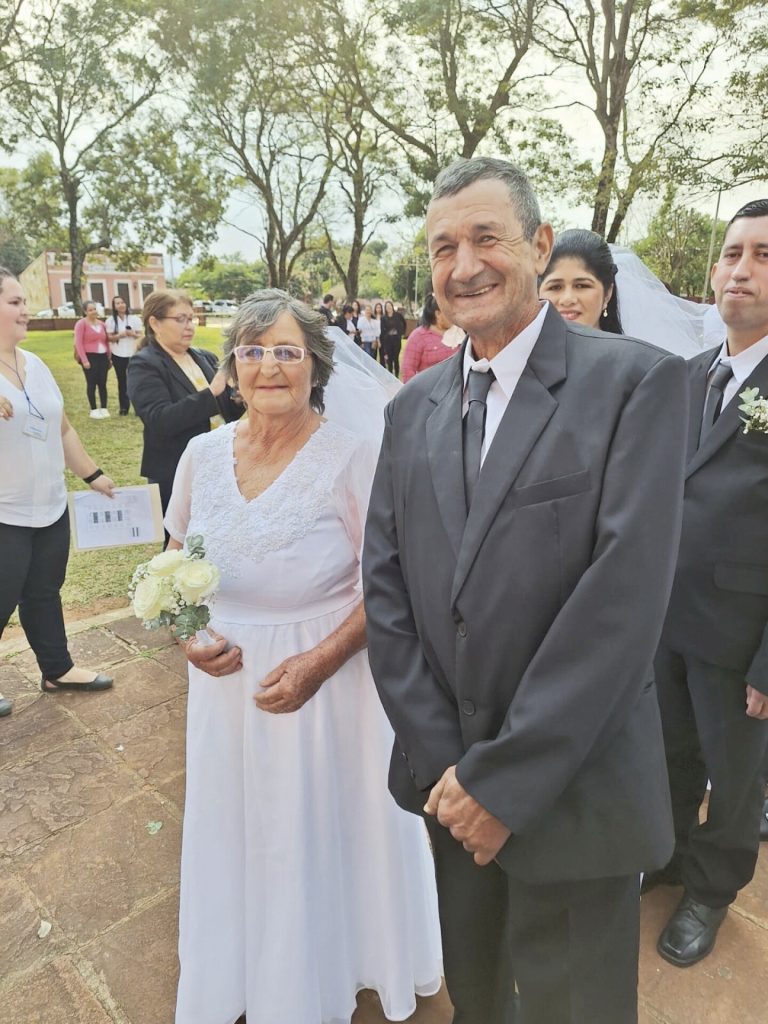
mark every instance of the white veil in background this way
{"type": "Point", "coordinates": [359, 388]}
{"type": "Point", "coordinates": [649, 312]}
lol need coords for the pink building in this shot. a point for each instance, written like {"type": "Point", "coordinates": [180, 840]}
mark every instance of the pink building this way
{"type": "Point", "coordinates": [47, 280]}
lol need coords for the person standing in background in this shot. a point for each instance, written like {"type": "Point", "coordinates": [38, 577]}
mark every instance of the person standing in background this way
{"type": "Point", "coordinates": [326, 308]}
{"type": "Point", "coordinates": [392, 334]}
{"type": "Point", "coordinates": [92, 352]}
{"type": "Point", "coordinates": [123, 332]}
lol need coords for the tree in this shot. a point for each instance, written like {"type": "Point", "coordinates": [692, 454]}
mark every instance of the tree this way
{"type": "Point", "coordinates": [645, 62]}
{"type": "Point", "coordinates": [31, 205]}
{"type": "Point", "coordinates": [676, 246]}
{"type": "Point", "coordinates": [80, 103]}
{"type": "Point", "coordinates": [230, 277]}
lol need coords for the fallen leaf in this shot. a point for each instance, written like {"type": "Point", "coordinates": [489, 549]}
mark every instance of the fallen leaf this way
{"type": "Point", "coordinates": [153, 827]}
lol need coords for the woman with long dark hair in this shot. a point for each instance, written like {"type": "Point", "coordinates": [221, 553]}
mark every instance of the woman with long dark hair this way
{"type": "Point", "coordinates": [92, 352]}
{"type": "Point", "coordinates": [123, 332]}
{"type": "Point", "coordinates": [580, 280]}
{"type": "Point", "coordinates": [392, 334]}
{"type": "Point", "coordinates": [426, 345]}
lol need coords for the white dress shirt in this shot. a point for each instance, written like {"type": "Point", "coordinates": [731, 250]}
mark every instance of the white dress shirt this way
{"type": "Point", "coordinates": [743, 364]}
{"type": "Point", "coordinates": [508, 366]}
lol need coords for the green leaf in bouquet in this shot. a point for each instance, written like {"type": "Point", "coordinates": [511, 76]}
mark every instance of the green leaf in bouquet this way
{"type": "Point", "coordinates": [195, 545]}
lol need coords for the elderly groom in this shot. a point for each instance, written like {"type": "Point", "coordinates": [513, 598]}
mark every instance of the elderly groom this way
{"type": "Point", "coordinates": [519, 555]}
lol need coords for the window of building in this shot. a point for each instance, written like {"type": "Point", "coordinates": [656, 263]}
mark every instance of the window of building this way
{"type": "Point", "coordinates": [147, 287]}
{"type": "Point", "coordinates": [123, 289]}
{"type": "Point", "coordinates": [97, 292]}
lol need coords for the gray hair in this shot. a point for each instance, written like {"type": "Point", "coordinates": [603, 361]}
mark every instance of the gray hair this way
{"type": "Point", "coordinates": [463, 173]}
{"type": "Point", "coordinates": [259, 312]}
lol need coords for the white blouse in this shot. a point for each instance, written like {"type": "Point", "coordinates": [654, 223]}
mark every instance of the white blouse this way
{"type": "Point", "coordinates": [125, 347]}
{"type": "Point", "coordinates": [32, 489]}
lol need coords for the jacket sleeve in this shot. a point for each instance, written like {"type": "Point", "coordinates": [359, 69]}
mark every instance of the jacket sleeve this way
{"type": "Point", "coordinates": [594, 662]}
{"type": "Point", "coordinates": [161, 414]}
{"type": "Point", "coordinates": [757, 674]}
{"type": "Point", "coordinates": [82, 355]}
{"type": "Point", "coordinates": [423, 715]}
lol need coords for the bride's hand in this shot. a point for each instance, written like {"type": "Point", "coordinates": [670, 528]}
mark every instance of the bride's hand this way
{"type": "Point", "coordinates": [214, 659]}
{"type": "Point", "coordinates": [292, 683]}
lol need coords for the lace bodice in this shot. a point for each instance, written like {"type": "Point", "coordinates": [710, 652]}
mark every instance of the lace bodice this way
{"type": "Point", "coordinates": [297, 541]}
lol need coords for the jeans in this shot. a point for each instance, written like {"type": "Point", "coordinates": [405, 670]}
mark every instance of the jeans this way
{"type": "Point", "coordinates": [120, 364]}
{"type": "Point", "coordinates": [34, 564]}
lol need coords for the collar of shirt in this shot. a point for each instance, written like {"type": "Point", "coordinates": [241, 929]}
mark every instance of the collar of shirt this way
{"type": "Point", "coordinates": [509, 363]}
{"type": "Point", "coordinates": [743, 365]}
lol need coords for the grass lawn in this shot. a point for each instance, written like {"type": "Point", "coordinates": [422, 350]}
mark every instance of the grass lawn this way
{"type": "Point", "coordinates": [98, 580]}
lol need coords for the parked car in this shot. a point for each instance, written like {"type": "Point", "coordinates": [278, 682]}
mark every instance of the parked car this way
{"type": "Point", "coordinates": [203, 305]}
{"type": "Point", "coordinates": [44, 314]}
{"type": "Point", "coordinates": [223, 306]}
{"type": "Point", "coordinates": [68, 309]}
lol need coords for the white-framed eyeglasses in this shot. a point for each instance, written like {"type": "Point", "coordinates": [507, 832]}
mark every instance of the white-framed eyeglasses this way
{"type": "Point", "coordinates": [280, 353]}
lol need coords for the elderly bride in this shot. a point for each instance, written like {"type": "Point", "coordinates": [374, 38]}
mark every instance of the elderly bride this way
{"type": "Point", "coordinates": [302, 882]}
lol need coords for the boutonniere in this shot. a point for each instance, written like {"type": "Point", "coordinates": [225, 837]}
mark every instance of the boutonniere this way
{"type": "Point", "coordinates": [755, 409]}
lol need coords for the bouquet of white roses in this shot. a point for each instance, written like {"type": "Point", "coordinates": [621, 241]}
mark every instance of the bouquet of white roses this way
{"type": "Point", "coordinates": [171, 589]}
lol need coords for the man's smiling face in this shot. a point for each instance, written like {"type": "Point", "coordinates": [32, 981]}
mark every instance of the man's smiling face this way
{"type": "Point", "coordinates": [484, 271]}
{"type": "Point", "coordinates": [740, 276]}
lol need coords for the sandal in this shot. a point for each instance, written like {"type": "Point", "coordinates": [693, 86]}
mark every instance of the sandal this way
{"type": "Point", "coordinates": [101, 682]}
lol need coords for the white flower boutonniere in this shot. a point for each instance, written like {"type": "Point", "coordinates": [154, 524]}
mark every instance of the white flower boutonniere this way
{"type": "Point", "coordinates": [755, 409]}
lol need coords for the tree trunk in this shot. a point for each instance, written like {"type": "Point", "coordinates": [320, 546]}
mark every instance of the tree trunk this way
{"type": "Point", "coordinates": [605, 181]}
{"type": "Point", "coordinates": [76, 255]}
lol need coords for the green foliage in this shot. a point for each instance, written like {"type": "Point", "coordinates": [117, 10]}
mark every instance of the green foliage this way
{"type": "Point", "coordinates": [226, 278]}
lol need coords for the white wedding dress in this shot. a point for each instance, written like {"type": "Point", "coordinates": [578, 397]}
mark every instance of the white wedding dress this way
{"type": "Point", "coordinates": [301, 880]}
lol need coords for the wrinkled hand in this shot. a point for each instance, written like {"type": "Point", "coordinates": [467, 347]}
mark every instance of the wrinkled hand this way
{"type": "Point", "coordinates": [213, 659]}
{"type": "Point", "coordinates": [6, 409]}
{"type": "Point", "coordinates": [288, 687]}
{"type": "Point", "coordinates": [104, 485]}
{"type": "Point", "coordinates": [478, 831]}
{"type": "Point", "coordinates": [757, 703]}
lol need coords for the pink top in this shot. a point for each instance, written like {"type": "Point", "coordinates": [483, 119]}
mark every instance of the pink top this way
{"type": "Point", "coordinates": [423, 349]}
{"type": "Point", "coordinates": [90, 338]}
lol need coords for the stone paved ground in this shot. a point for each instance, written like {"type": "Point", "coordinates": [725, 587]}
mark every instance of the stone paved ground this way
{"type": "Point", "coordinates": [85, 781]}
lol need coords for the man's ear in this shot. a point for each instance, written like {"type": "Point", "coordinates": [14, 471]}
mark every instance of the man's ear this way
{"type": "Point", "coordinates": [542, 243]}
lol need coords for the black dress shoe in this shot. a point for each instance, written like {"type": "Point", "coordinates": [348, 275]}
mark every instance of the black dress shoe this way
{"type": "Point", "coordinates": [691, 932]}
{"type": "Point", "coordinates": [764, 823]}
{"type": "Point", "coordinates": [101, 682]}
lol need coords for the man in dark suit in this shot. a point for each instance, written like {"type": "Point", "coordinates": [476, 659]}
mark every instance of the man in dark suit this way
{"type": "Point", "coordinates": [712, 665]}
{"type": "Point", "coordinates": [513, 613]}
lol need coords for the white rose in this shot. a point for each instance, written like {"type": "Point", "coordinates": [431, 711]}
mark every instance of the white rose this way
{"type": "Point", "coordinates": [196, 579]}
{"type": "Point", "coordinates": [149, 598]}
{"type": "Point", "coordinates": [166, 563]}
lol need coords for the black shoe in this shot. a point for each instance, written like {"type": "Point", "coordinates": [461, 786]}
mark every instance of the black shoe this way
{"type": "Point", "coordinates": [670, 875]}
{"type": "Point", "coordinates": [764, 823]}
{"type": "Point", "coordinates": [124, 412]}
{"type": "Point", "coordinates": [691, 932]}
{"type": "Point", "coordinates": [100, 682]}
{"type": "Point", "coordinates": [5, 706]}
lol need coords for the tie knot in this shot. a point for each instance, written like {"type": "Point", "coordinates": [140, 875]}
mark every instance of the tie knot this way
{"type": "Point", "coordinates": [722, 374]}
{"type": "Point", "coordinates": [478, 385]}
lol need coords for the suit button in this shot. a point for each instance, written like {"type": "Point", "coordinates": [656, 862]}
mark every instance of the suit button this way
{"type": "Point", "coordinates": [412, 773]}
{"type": "Point", "coordinates": [468, 707]}
{"type": "Point", "coordinates": [461, 628]}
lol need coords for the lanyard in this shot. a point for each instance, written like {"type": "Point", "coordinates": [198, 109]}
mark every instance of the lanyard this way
{"type": "Point", "coordinates": [31, 407]}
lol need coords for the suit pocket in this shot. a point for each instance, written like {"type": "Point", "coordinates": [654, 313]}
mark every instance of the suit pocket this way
{"type": "Point", "coordinates": [549, 490]}
{"type": "Point", "coordinates": [747, 579]}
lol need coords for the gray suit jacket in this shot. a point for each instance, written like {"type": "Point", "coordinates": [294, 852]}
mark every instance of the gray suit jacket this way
{"type": "Point", "coordinates": [517, 642]}
{"type": "Point", "coordinates": [719, 605]}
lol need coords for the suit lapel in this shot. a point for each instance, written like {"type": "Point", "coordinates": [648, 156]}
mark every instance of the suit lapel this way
{"type": "Point", "coordinates": [698, 370]}
{"type": "Point", "coordinates": [527, 414]}
{"type": "Point", "coordinates": [729, 420]}
{"type": "Point", "coordinates": [445, 449]}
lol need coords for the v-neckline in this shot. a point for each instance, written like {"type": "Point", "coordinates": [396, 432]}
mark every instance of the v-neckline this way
{"type": "Point", "coordinates": [22, 381]}
{"type": "Point", "coordinates": [281, 475]}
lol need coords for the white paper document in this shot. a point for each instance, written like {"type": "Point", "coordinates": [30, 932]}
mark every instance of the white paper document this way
{"type": "Point", "coordinates": [133, 516]}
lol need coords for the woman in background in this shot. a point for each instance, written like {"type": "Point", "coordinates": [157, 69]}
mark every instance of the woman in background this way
{"type": "Point", "coordinates": [370, 332]}
{"type": "Point", "coordinates": [92, 352]}
{"type": "Point", "coordinates": [392, 333]}
{"type": "Point", "coordinates": [123, 332]}
{"type": "Point", "coordinates": [426, 345]}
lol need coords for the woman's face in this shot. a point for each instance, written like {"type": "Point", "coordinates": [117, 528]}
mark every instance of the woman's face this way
{"type": "Point", "coordinates": [368, 312]}
{"type": "Point", "coordinates": [377, 310]}
{"type": "Point", "coordinates": [13, 312]}
{"type": "Point", "coordinates": [389, 309]}
{"type": "Point", "coordinates": [575, 292]}
{"type": "Point", "coordinates": [91, 311]}
{"type": "Point", "coordinates": [175, 329]}
{"type": "Point", "coordinates": [272, 388]}
{"type": "Point", "coordinates": [355, 308]}
{"type": "Point", "coordinates": [120, 306]}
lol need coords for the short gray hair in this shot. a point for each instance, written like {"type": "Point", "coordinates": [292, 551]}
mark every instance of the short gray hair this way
{"type": "Point", "coordinates": [463, 173]}
{"type": "Point", "coordinates": [259, 312]}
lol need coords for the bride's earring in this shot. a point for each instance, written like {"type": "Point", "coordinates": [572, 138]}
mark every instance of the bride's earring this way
{"type": "Point", "coordinates": [605, 312]}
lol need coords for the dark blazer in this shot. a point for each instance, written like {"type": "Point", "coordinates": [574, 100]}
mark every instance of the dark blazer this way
{"type": "Point", "coordinates": [171, 409]}
{"type": "Point", "coordinates": [719, 605]}
{"type": "Point", "coordinates": [516, 642]}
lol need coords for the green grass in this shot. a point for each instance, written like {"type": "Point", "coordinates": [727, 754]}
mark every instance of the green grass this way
{"type": "Point", "coordinates": [100, 578]}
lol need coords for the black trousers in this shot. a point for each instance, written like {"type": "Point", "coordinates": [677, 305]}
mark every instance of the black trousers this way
{"type": "Point", "coordinates": [390, 355]}
{"type": "Point", "coordinates": [120, 363]}
{"type": "Point", "coordinates": [34, 565]}
{"type": "Point", "coordinates": [96, 377]}
{"type": "Point", "coordinates": [571, 947]}
{"type": "Point", "coordinates": [708, 735]}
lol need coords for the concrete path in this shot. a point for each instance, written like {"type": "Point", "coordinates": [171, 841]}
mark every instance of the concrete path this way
{"type": "Point", "coordinates": [91, 800]}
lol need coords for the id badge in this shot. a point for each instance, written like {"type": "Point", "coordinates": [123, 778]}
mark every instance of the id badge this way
{"type": "Point", "coordinates": [36, 427]}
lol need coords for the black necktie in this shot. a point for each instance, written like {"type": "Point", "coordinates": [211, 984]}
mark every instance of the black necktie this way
{"type": "Point", "coordinates": [478, 384]}
{"type": "Point", "coordinates": [714, 402]}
